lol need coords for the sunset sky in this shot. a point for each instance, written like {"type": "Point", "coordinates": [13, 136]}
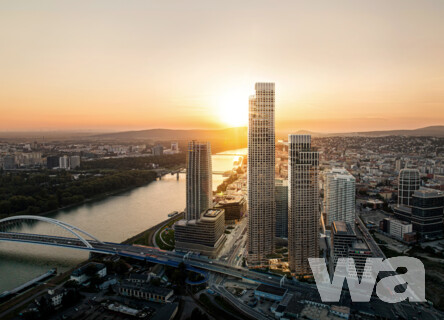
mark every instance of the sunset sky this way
{"type": "Point", "coordinates": [106, 65]}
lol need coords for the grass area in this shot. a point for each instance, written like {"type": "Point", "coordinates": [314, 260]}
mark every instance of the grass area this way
{"type": "Point", "coordinates": [161, 244]}
{"type": "Point", "coordinates": [145, 238]}
{"type": "Point", "coordinates": [167, 236]}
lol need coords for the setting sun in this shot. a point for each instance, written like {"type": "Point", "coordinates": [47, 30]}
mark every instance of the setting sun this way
{"type": "Point", "coordinates": [232, 108]}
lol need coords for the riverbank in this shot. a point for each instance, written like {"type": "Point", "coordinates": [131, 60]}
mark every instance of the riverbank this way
{"type": "Point", "coordinates": [93, 199]}
{"type": "Point", "coordinates": [9, 308]}
{"type": "Point", "coordinates": [147, 237]}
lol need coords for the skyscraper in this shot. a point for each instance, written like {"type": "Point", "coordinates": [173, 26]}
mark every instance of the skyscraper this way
{"type": "Point", "coordinates": [303, 204]}
{"type": "Point", "coordinates": [427, 211]}
{"type": "Point", "coordinates": [408, 183]}
{"type": "Point", "coordinates": [261, 161]}
{"type": "Point", "coordinates": [281, 196]}
{"type": "Point", "coordinates": [339, 196]}
{"type": "Point", "coordinates": [199, 179]}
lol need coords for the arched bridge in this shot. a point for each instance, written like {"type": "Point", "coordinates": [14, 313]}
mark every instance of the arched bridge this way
{"type": "Point", "coordinates": [85, 241]}
{"type": "Point", "coordinates": [82, 240]}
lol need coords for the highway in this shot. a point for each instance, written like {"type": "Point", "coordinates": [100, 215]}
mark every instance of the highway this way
{"type": "Point", "coordinates": [193, 262]}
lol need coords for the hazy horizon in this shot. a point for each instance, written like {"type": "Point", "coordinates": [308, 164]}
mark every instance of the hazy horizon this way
{"type": "Point", "coordinates": [109, 66]}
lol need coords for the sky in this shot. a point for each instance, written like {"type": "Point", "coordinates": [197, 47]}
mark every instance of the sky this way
{"type": "Point", "coordinates": [339, 66]}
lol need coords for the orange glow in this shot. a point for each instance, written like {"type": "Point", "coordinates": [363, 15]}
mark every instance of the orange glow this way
{"type": "Point", "coordinates": [360, 65]}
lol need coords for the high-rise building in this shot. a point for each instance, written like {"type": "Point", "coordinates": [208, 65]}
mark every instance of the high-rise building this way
{"type": "Point", "coordinates": [339, 196]}
{"type": "Point", "coordinates": [157, 150]}
{"type": "Point", "coordinates": [427, 213]}
{"type": "Point", "coordinates": [408, 183]}
{"type": "Point", "coordinates": [303, 204]}
{"type": "Point", "coordinates": [281, 196]}
{"type": "Point", "coordinates": [64, 162]}
{"type": "Point", "coordinates": [345, 244]}
{"type": "Point", "coordinates": [199, 179]}
{"type": "Point", "coordinates": [9, 162]}
{"type": "Point", "coordinates": [52, 162]}
{"type": "Point", "coordinates": [74, 162]}
{"type": "Point", "coordinates": [261, 163]}
{"type": "Point", "coordinates": [175, 146]}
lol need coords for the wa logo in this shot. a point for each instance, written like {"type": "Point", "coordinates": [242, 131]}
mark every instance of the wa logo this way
{"type": "Point", "coordinates": [409, 285]}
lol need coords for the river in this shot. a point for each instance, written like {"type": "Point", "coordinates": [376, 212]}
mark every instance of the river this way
{"type": "Point", "coordinates": [115, 219]}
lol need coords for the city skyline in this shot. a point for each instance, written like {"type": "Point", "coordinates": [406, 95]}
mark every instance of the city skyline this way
{"type": "Point", "coordinates": [108, 68]}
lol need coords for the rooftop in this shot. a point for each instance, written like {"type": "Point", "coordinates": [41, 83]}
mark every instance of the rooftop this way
{"type": "Point", "coordinates": [212, 213]}
{"type": "Point", "coordinates": [428, 193]}
{"type": "Point", "coordinates": [342, 228]}
{"type": "Point", "coordinates": [146, 288]}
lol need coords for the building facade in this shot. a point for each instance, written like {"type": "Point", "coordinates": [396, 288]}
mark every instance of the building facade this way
{"type": "Point", "coordinates": [408, 182]}
{"type": "Point", "coordinates": [427, 213]}
{"type": "Point", "coordinates": [281, 197]}
{"type": "Point", "coordinates": [199, 179]}
{"type": "Point", "coordinates": [339, 196]}
{"type": "Point", "coordinates": [235, 208]}
{"type": "Point", "coordinates": [398, 228]}
{"type": "Point", "coordinates": [52, 162]}
{"type": "Point", "coordinates": [64, 162]}
{"type": "Point", "coordinates": [157, 150]}
{"type": "Point", "coordinates": [74, 162]}
{"type": "Point", "coordinates": [303, 204]}
{"type": "Point", "coordinates": [145, 292]}
{"type": "Point", "coordinates": [205, 235]}
{"type": "Point", "coordinates": [261, 166]}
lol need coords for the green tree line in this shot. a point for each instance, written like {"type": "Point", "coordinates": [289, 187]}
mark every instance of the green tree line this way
{"type": "Point", "coordinates": [39, 192]}
{"type": "Point", "coordinates": [165, 161]}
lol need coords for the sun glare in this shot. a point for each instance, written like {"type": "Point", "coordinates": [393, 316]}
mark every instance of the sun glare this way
{"type": "Point", "coordinates": [232, 108]}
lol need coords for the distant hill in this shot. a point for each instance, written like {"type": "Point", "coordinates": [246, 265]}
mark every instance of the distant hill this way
{"type": "Point", "coordinates": [435, 131]}
{"type": "Point", "coordinates": [170, 134]}
{"type": "Point", "coordinates": [432, 131]}
{"type": "Point", "coordinates": [221, 140]}
{"type": "Point", "coordinates": [231, 136]}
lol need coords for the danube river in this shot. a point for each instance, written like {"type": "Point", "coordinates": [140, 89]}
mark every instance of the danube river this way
{"type": "Point", "coordinates": [113, 219]}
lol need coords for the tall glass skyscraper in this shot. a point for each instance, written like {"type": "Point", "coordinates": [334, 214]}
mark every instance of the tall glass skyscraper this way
{"type": "Point", "coordinates": [303, 204]}
{"type": "Point", "coordinates": [261, 162]}
{"type": "Point", "coordinates": [409, 182]}
{"type": "Point", "coordinates": [199, 179]}
{"type": "Point", "coordinates": [339, 196]}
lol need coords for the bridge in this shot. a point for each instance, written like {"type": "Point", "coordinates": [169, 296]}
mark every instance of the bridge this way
{"type": "Point", "coordinates": [83, 240]}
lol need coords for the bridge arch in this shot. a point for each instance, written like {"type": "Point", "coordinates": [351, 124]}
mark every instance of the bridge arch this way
{"type": "Point", "coordinates": [70, 228]}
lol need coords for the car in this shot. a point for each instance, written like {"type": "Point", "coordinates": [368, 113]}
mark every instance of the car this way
{"type": "Point", "coordinates": [270, 278]}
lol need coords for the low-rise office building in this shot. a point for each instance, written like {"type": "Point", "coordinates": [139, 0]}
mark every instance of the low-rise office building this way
{"type": "Point", "coordinates": [83, 274]}
{"type": "Point", "coordinates": [204, 235]}
{"type": "Point", "coordinates": [234, 207]}
{"type": "Point", "coordinates": [425, 213]}
{"type": "Point", "coordinates": [145, 292]}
